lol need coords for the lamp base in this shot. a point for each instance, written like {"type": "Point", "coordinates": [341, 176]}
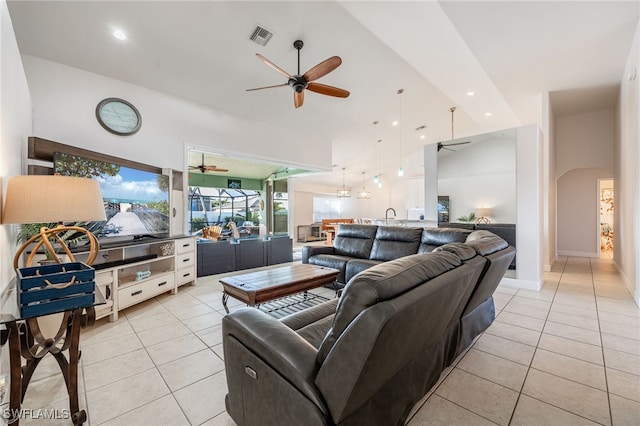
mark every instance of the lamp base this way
{"type": "Point", "coordinates": [482, 220]}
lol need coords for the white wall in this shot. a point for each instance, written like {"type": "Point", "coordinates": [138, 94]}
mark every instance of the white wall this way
{"type": "Point", "coordinates": [579, 212]}
{"type": "Point", "coordinates": [15, 126]}
{"type": "Point", "coordinates": [627, 176]}
{"type": "Point", "coordinates": [482, 175]}
{"type": "Point", "coordinates": [584, 153]}
{"type": "Point", "coordinates": [585, 140]}
{"type": "Point", "coordinates": [549, 253]}
{"type": "Point", "coordinates": [65, 99]}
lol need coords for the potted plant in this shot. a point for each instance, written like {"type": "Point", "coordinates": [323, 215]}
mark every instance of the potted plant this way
{"type": "Point", "coordinates": [468, 219]}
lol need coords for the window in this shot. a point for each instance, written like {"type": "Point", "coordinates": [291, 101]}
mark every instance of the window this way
{"type": "Point", "coordinates": [325, 208]}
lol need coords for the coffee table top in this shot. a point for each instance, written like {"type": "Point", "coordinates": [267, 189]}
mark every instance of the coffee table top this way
{"type": "Point", "coordinates": [280, 276]}
{"type": "Point", "coordinates": [269, 284]}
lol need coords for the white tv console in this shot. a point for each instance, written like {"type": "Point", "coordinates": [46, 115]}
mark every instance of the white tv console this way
{"type": "Point", "coordinates": [164, 265]}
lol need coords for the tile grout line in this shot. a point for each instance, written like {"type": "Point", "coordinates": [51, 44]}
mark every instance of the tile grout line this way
{"type": "Point", "coordinates": [513, 411]}
{"type": "Point", "coordinates": [604, 360]}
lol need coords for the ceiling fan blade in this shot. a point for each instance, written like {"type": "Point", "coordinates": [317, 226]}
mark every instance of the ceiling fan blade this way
{"type": "Point", "coordinates": [298, 99]}
{"type": "Point", "coordinates": [323, 68]}
{"type": "Point", "coordinates": [324, 89]}
{"type": "Point", "coordinates": [214, 169]}
{"type": "Point", "coordinates": [457, 143]}
{"type": "Point", "coordinates": [267, 87]}
{"type": "Point", "coordinates": [274, 66]}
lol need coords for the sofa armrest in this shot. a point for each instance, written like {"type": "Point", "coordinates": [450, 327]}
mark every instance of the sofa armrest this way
{"type": "Point", "coordinates": [277, 345]}
{"type": "Point", "coordinates": [308, 316]}
{"type": "Point", "coordinates": [308, 251]}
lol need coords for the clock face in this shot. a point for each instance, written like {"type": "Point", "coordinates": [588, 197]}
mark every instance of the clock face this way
{"type": "Point", "coordinates": [118, 116]}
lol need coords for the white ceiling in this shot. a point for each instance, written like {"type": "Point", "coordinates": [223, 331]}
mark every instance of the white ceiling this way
{"type": "Point", "coordinates": [508, 52]}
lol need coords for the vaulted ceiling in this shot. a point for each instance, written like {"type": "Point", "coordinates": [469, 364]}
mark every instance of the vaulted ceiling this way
{"type": "Point", "coordinates": [508, 53]}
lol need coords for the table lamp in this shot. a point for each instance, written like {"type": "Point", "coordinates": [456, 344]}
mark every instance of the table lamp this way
{"type": "Point", "coordinates": [482, 214]}
{"type": "Point", "coordinates": [49, 199]}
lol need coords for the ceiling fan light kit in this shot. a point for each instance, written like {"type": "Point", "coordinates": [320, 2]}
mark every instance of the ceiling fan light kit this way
{"type": "Point", "coordinates": [301, 82]}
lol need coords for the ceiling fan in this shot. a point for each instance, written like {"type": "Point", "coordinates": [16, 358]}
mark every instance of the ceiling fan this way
{"type": "Point", "coordinates": [208, 168]}
{"type": "Point", "coordinates": [300, 82]}
{"type": "Point", "coordinates": [442, 145]}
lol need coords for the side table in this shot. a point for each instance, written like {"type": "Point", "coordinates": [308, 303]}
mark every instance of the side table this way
{"type": "Point", "coordinates": [27, 342]}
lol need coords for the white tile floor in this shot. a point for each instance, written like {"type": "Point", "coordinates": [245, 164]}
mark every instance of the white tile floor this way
{"type": "Point", "coordinates": [567, 355]}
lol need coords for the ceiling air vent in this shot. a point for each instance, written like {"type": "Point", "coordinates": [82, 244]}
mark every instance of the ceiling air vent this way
{"type": "Point", "coordinates": [261, 35]}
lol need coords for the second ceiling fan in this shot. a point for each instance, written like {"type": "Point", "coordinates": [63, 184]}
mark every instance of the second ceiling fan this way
{"type": "Point", "coordinates": [443, 145]}
{"type": "Point", "coordinates": [300, 82]}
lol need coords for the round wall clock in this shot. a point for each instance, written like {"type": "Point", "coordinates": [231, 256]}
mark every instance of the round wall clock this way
{"type": "Point", "coordinates": [118, 116]}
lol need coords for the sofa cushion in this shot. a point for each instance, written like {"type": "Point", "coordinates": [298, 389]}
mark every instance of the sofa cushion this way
{"type": "Point", "coordinates": [435, 237]}
{"type": "Point", "coordinates": [392, 242]}
{"type": "Point", "coordinates": [332, 261]}
{"type": "Point", "coordinates": [382, 282]}
{"type": "Point", "coordinates": [355, 266]}
{"type": "Point", "coordinates": [354, 240]}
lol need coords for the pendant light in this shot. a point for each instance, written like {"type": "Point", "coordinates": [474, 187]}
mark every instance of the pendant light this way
{"type": "Point", "coordinates": [363, 195]}
{"type": "Point", "coordinates": [400, 168]}
{"type": "Point", "coordinates": [376, 177]}
{"type": "Point", "coordinates": [343, 192]}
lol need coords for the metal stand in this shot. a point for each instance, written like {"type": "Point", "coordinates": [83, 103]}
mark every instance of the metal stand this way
{"type": "Point", "coordinates": [26, 341]}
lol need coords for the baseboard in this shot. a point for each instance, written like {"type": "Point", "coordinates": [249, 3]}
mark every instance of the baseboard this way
{"type": "Point", "coordinates": [628, 284]}
{"type": "Point", "coordinates": [547, 268]}
{"type": "Point", "coordinates": [576, 253]}
{"type": "Point", "coordinates": [523, 284]}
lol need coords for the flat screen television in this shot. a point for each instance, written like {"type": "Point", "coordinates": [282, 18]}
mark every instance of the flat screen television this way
{"type": "Point", "coordinates": [136, 202]}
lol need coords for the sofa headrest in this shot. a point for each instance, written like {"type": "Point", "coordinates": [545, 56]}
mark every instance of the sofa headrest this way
{"type": "Point", "coordinates": [382, 282]}
{"type": "Point", "coordinates": [393, 242]}
{"type": "Point", "coordinates": [485, 242]}
{"type": "Point", "coordinates": [354, 230]}
{"type": "Point", "coordinates": [440, 236]}
{"type": "Point", "coordinates": [462, 250]}
{"type": "Point", "coordinates": [397, 233]}
{"type": "Point", "coordinates": [354, 240]}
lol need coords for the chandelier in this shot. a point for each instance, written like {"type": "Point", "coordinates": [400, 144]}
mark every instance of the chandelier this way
{"type": "Point", "coordinates": [363, 195]}
{"type": "Point", "coordinates": [343, 192]}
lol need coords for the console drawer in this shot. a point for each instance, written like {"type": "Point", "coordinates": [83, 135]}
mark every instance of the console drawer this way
{"type": "Point", "coordinates": [145, 290]}
{"type": "Point", "coordinates": [185, 260]}
{"type": "Point", "coordinates": [185, 245]}
{"type": "Point", "coordinates": [186, 275]}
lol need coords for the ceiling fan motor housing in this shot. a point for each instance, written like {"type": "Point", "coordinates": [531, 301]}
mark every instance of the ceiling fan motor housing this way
{"type": "Point", "coordinates": [298, 83]}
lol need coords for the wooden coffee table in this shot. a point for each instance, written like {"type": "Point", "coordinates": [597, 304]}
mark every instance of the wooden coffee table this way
{"type": "Point", "coordinates": [254, 288]}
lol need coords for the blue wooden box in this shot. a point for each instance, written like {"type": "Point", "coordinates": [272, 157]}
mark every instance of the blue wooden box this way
{"type": "Point", "coordinates": [46, 289]}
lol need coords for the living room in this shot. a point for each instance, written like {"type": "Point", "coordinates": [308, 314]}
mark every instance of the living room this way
{"type": "Point", "coordinates": [50, 99]}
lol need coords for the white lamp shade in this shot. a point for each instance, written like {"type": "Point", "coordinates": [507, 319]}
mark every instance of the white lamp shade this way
{"type": "Point", "coordinates": [47, 199]}
{"type": "Point", "coordinates": [483, 212]}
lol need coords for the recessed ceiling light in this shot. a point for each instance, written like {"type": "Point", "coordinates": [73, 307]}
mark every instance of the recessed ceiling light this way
{"type": "Point", "coordinates": [488, 114]}
{"type": "Point", "coordinates": [395, 123]}
{"type": "Point", "coordinates": [120, 35]}
{"type": "Point", "coordinates": [422, 136]}
{"type": "Point", "coordinates": [471, 93]}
